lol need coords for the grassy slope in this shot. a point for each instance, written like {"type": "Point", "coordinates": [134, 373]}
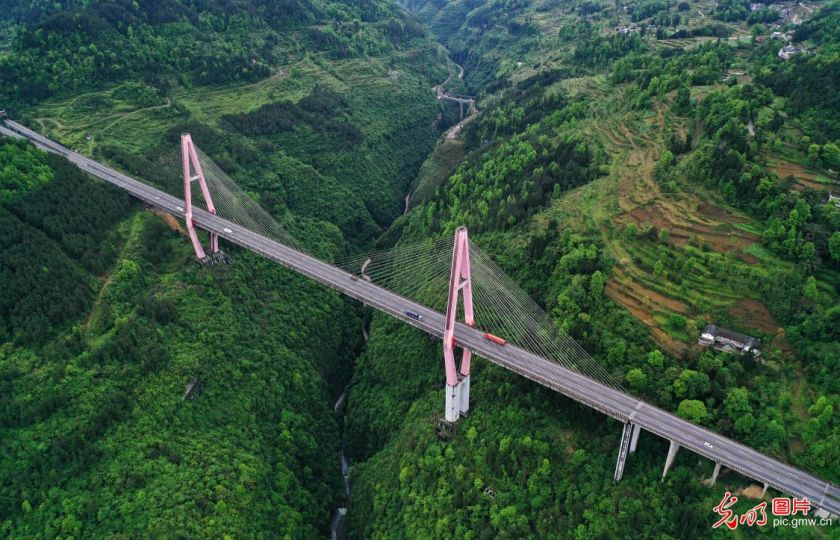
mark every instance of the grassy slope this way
{"type": "Point", "coordinates": [380, 91]}
{"type": "Point", "coordinates": [629, 194]}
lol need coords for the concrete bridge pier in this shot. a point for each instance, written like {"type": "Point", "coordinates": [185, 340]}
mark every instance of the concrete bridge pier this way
{"type": "Point", "coordinates": [453, 402]}
{"type": "Point", "coordinates": [672, 453]}
{"type": "Point", "coordinates": [634, 438]}
{"type": "Point", "coordinates": [818, 508]}
{"type": "Point", "coordinates": [461, 107]}
{"type": "Point", "coordinates": [464, 405]}
{"type": "Point", "coordinates": [764, 490]}
{"type": "Point", "coordinates": [457, 399]}
{"type": "Point", "coordinates": [624, 449]}
{"type": "Point", "coordinates": [825, 514]}
{"type": "Point", "coordinates": [715, 473]}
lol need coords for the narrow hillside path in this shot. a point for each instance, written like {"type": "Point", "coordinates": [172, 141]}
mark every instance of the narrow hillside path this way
{"type": "Point", "coordinates": [133, 228]}
{"type": "Point", "coordinates": [136, 112]}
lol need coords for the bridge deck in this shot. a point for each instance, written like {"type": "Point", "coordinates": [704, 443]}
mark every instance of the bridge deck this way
{"type": "Point", "coordinates": [609, 401]}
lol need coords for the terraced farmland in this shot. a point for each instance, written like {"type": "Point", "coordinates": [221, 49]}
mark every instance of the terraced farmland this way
{"type": "Point", "coordinates": [670, 249]}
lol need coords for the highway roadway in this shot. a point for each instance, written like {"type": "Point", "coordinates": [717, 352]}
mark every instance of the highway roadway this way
{"type": "Point", "coordinates": [624, 407]}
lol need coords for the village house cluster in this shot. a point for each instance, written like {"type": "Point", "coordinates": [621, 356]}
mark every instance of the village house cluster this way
{"type": "Point", "coordinates": [727, 341]}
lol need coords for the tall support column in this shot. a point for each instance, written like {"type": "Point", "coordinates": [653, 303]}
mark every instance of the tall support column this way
{"type": "Point", "coordinates": [623, 450]}
{"type": "Point", "coordinates": [464, 404]}
{"type": "Point", "coordinates": [458, 383]}
{"type": "Point", "coordinates": [634, 439]}
{"type": "Point", "coordinates": [453, 402]}
{"type": "Point", "coordinates": [193, 172]}
{"type": "Point", "coordinates": [715, 473]}
{"type": "Point", "coordinates": [764, 490]}
{"type": "Point", "coordinates": [672, 453]}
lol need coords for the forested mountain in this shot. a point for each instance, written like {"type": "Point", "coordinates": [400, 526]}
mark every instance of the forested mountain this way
{"type": "Point", "coordinates": [81, 45]}
{"type": "Point", "coordinates": [98, 439]}
{"type": "Point", "coordinates": [640, 178]}
{"type": "Point", "coordinates": [641, 169]}
{"type": "Point", "coordinates": [143, 396]}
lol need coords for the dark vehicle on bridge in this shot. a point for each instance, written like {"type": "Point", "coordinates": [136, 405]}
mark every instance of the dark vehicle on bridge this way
{"type": "Point", "coordinates": [415, 316]}
{"type": "Point", "coordinates": [496, 339]}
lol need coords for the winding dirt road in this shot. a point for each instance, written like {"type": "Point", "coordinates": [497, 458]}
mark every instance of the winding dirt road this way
{"type": "Point", "coordinates": [472, 110]}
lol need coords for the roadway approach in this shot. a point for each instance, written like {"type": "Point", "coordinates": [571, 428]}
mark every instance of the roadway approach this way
{"type": "Point", "coordinates": [631, 411]}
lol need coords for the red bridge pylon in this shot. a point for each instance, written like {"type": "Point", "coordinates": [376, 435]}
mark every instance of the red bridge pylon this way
{"type": "Point", "coordinates": [192, 172]}
{"type": "Point", "coordinates": [458, 383]}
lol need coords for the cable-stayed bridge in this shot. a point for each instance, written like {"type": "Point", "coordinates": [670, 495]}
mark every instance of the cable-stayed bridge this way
{"type": "Point", "coordinates": [562, 367]}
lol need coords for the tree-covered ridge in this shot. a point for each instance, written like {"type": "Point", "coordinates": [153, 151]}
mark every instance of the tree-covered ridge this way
{"type": "Point", "coordinates": [521, 175]}
{"type": "Point", "coordinates": [81, 47]}
{"type": "Point", "coordinates": [810, 82]}
{"type": "Point", "coordinates": [55, 237]}
{"type": "Point", "coordinates": [727, 161]}
{"type": "Point", "coordinates": [823, 28]}
{"type": "Point", "coordinates": [31, 11]}
{"type": "Point", "coordinates": [503, 43]}
{"type": "Point", "coordinates": [497, 42]}
{"type": "Point", "coordinates": [98, 439]}
{"type": "Point", "coordinates": [324, 110]}
{"type": "Point", "coordinates": [20, 169]}
{"type": "Point", "coordinates": [656, 75]}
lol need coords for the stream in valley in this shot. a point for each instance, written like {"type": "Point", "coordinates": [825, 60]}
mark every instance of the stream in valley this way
{"type": "Point", "coordinates": [337, 528]}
